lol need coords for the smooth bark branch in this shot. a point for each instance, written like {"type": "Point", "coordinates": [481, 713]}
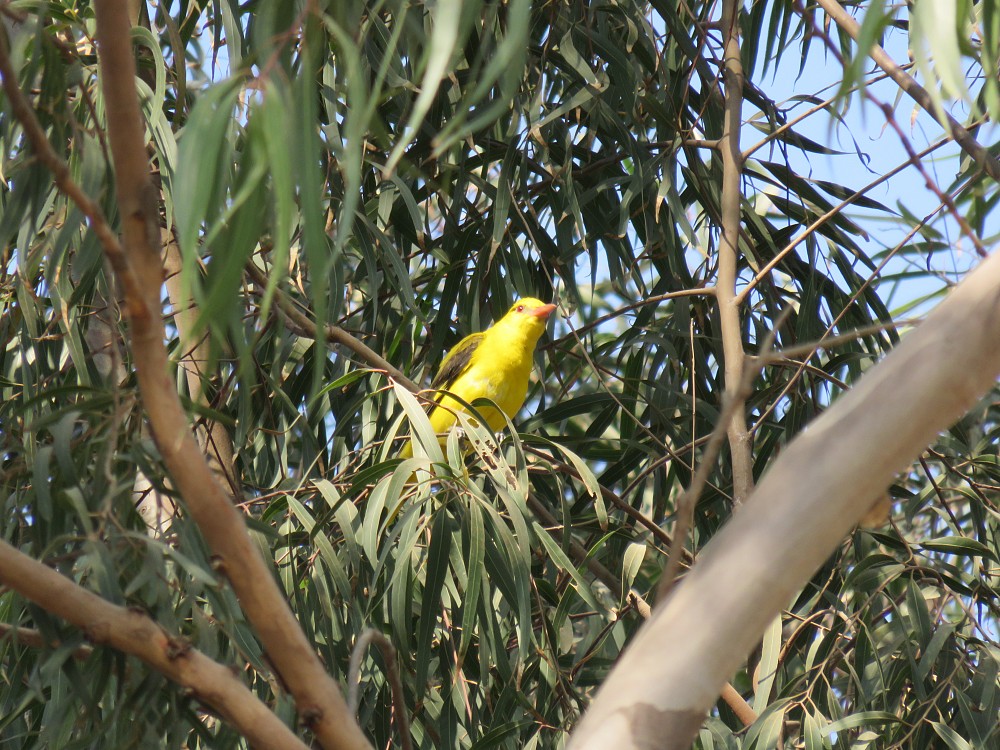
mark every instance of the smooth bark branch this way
{"type": "Point", "coordinates": [729, 248]}
{"type": "Point", "coordinates": [918, 93]}
{"type": "Point", "coordinates": [810, 498]}
{"type": "Point", "coordinates": [318, 698]}
{"type": "Point", "coordinates": [214, 684]}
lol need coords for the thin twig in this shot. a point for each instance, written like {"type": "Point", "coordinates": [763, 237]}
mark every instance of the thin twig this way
{"type": "Point", "coordinates": [920, 95]}
{"type": "Point", "coordinates": [704, 291]}
{"type": "Point", "coordinates": [33, 131]}
{"type": "Point", "coordinates": [36, 639]}
{"type": "Point", "coordinates": [689, 499]}
{"type": "Point", "coordinates": [821, 220]}
{"type": "Point", "coordinates": [907, 83]}
{"type": "Point", "coordinates": [854, 297]}
{"type": "Point", "coordinates": [579, 554]}
{"type": "Point", "coordinates": [825, 104]}
{"type": "Point", "coordinates": [828, 342]}
{"type": "Point", "coordinates": [331, 333]}
{"type": "Point", "coordinates": [608, 494]}
{"type": "Point", "coordinates": [400, 712]}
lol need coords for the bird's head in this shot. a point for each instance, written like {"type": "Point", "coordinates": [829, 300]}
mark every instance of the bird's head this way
{"type": "Point", "coordinates": [527, 316]}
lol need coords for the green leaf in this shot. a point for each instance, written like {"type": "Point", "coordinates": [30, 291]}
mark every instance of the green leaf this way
{"type": "Point", "coordinates": [767, 669]}
{"type": "Point", "coordinates": [474, 550]}
{"type": "Point", "coordinates": [437, 56]}
{"type": "Point", "coordinates": [326, 551]}
{"type": "Point", "coordinates": [201, 166]}
{"type": "Point", "coordinates": [957, 545]}
{"type": "Point", "coordinates": [565, 564]}
{"type": "Point", "coordinates": [634, 555]}
{"type": "Point", "coordinates": [951, 738]}
{"type": "Point", "coordinates": [431, 597]}
{"type": "Point", "coordinates": [421, 433]}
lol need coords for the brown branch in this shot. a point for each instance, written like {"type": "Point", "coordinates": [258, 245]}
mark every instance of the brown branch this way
{"type": "Point", "coordinates": [331, 333]}
{"type": "Point", "coordinates": [318, 698]}
{"type": "Point", "coordinates": [792, 351]}
{"type": "Point", "coordinates": [608, 494]}
{"type": "Point", "coordinates": [781, 130]}
{"type": "Point", "coordinates": [395, 683]}
{"type": "Point", "coordinates": [918, 93]}
{"type": "Point", "coordinates": [729, 307]}
{"type": "Point", "coordinates": [689, 498]}
{"type": "Point", "coordinates": [132, 632]}
{"type": "Point", "coordinates": [24, 114]}
{"type": "Point", "coordinates": [36, 639]}
{"type": "Point", "coordinates": [192, 357]}
{"type": "Point", "coordinates": [733, 400]}
{"type": "Point", "coordinates": [739, 706]}
{"type": "Point", "coordinates": [706, 291]}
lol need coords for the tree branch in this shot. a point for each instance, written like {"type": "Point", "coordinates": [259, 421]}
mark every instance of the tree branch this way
{"type": "Point", "coordinates": [729, 247]}
{"type": "Point", "coordinates": [317, 696]}
{"type": "Point", "coordinates": [821, 220]}
{"type": "Point", "coordinates": [25, 115]}
{"type": "Point", "coordinates": [887, 112]}
{"type": "Point", "coordinates": [132, 632]}
{"type": "Point", "coordinates": [36, 639]}
{"type": "Point", "coordinates": [192, 357]}
{"type": "Point", "coordinates": [392, 671]}
{"type": "Point", "coordinates": [810, 498]}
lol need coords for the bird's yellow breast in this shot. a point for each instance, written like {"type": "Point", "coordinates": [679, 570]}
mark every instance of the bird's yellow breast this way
{"type": "Point", "coordinates": [500, 371]}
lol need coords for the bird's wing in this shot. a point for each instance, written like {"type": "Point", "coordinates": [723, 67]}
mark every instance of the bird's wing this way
{"type": "Point", "coordinates": [457, 361]}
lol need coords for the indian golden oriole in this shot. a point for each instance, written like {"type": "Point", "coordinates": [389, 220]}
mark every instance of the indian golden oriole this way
{"type": "Point", "coordinates": [493, 364]}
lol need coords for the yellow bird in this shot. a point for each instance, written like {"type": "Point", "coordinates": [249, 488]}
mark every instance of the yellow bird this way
{"type": "Point", "coordinates": [493, 364]}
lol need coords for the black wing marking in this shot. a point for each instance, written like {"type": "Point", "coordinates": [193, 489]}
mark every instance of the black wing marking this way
{"type": "Point", "coordinates": [457, 361]}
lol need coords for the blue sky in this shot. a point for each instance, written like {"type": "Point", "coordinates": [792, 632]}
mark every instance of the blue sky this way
{"type": "Point", "coordinates": [865, 127]}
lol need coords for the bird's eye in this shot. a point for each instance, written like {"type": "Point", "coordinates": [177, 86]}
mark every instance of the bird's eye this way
{"type": "Point", "coordinates": [520, 308]}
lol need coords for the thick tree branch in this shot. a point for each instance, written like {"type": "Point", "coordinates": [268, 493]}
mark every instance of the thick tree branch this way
{"type": "Point", "coordinates": [810, 498]}
{"type": "Point", "coordinates": [918, 93]}
{"type": "Point", "coordinates": [318, 698]}
{"type": "Point", "coordinates": [132, 632]}
{"type": "Point", "coordinates": [729, 248]}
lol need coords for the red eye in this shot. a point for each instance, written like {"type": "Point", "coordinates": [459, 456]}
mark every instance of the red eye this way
{"type": "Point", "coordinates": [520, 308]}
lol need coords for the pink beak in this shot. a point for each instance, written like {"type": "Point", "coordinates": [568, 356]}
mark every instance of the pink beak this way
{"type": "Point", "coordinates": [542, 312]}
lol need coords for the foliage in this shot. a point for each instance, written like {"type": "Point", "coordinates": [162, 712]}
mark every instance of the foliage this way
{"type": "Point", "coordinates": [405, 171]}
